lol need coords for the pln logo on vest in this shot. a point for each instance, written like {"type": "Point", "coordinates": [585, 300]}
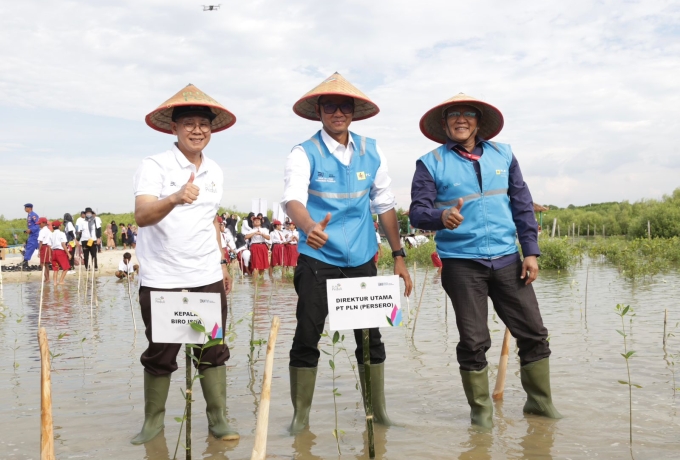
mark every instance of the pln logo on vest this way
{"type": "Point", "coordinates": [361, 175]}
{"type": "Point", "coordinates": [503, 172]}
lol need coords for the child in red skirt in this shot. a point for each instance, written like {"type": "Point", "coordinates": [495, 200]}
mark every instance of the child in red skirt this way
{"type": "Point", "coordinates": [437, 262]}
{"type": "Point", "coordinates": [290, 255]}
{"type": "Point", "coordinates": [44, 242]}
{"type": "Point", "coordinates": [278, 247]}
{"type": "Point", "coordinates": [259, 252]}
{"type": "Point", "coordinates": [59, 252]}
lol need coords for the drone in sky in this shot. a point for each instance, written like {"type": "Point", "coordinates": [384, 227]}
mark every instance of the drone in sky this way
{"type": "Point", "coordinates": [211, 7]}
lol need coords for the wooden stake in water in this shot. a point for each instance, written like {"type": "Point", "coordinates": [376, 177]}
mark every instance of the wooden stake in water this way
{"type": "Point", "coordinates": [368, 402]}
{"type": "Point", "coordinates": [554, 227]}
{"type": "Point", "coordinates": [415, 275]}
{"type": "Point", "coordinates": [260, 448]}
{"type": "Point", "coordinates": [42, 287]}
{"type": "Point", "coordinates": [586, 293]}
{"type": "Point", "coordinates": [92, 291]}
{"type": "Point", "coordinates": [132, 311]}
{"type": "Point", "coordinates": [422, 291]}
{"type": "Point", "coordinates": [189, 395]}
{"type": "Point", "coordinates": [502, 367]}
{"type": "Point", "coordinates": [665, 319]}
{"type": "Point", "coordinates": [46, 428]}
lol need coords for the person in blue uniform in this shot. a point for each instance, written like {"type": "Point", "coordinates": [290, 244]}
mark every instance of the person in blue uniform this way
{"type": "Point", "coordinates": [32, 229]}
{"type": "Point", "coordinates": [333, 184]}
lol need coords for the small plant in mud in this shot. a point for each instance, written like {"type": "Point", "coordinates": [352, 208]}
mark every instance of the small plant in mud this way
{"type": "Point", "coordinates": [211, 341]}
{"type": "Point", "coordinates": [334, 341]}
{"type": "Point", "coordinates": [622, 311]}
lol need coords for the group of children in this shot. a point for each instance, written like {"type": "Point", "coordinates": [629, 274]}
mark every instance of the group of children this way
{"type": "Point", "coordinates": [257, 248]}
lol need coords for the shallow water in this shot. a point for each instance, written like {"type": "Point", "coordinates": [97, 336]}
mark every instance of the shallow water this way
{"type": "Point", "coordinates": [98, 400]}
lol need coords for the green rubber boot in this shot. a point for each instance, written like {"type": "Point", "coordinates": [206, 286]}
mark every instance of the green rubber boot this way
{"type": "Point", "coordinates": [377, 392]}
{"type": "Point", "coordinates": [155, 394]}
{"type": "Point", "coordinates": [536, 382]}
{"type": "Point", "coordinates": [476, 386]}
{"type": "Point", "coordinates": [302, 382]}
{"type": "Point", "coordinates": [214, 385]}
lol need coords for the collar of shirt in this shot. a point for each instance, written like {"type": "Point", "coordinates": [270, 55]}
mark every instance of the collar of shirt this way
{"type": "Point", "coordinates": [336, 148]}
{"type": "Point", "coordinates": [460, 150]}
{"type": "Point", "coordinates": [184, 163]}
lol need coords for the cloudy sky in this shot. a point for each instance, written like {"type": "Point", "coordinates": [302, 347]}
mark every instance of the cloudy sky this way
{"type": "Point", "coordinates": [590, 90]}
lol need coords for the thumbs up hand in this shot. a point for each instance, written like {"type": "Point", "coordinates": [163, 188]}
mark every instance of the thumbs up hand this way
{"type": "Point", "coordinates": [316, 236]}
{"type": "Point", "coordinates": [452, 218]}
{"type": "Point", "coordinates": [188, 193]}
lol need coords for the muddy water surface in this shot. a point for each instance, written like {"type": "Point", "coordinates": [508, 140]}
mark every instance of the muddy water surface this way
{"type": "Point", "coordinates": [98, 399]}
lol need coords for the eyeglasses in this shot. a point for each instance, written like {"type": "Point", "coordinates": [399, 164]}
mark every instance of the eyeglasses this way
{"type": "Point", "coordinates": [346, 108]}
{"type": "Point", "coordinates": [204, 127]}
{"type": "Point", "coordinates": [455, 114]}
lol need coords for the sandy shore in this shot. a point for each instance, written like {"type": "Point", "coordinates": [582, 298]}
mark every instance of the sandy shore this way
{"type": "Point", "coordinates": [107, 260]}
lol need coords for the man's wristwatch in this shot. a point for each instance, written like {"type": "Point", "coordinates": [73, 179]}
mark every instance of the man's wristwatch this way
{"type": "Point", "coordinates": [223, 262]}
{"type": "Point", "coordinates": [400, 253]}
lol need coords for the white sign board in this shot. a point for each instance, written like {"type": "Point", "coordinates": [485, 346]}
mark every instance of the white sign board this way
{"type": "Point", "coordinates": [362, 303]}
{"type": "Point", "coordinates": [173, 312]}
{"type": "Point", "coordinates": [259, 205]}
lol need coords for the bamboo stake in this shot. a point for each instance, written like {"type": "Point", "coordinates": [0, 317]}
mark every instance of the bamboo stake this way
{"type": "Point", "coordinates": [422, 291]}
{"type": "Point", "coordinates": [408, 310]}
{"type": "Point", "coordinates": [42, 287]}
{"type": "Point", "coordinates": [46, 429]}
{"type": "Point", "coordinates": [665, 320]}
{"type": "Point", "coordinates": [260, 448]}
{"type": "Point", "coordinates": [190, 395]}
{"type": "Point", "coordinates": [368, 402]}
{"type": "Point", "coordinates": [446, 307]}
{"type": "Point", "coordinates": [92, 290]}
{"type": "Point", "coordinates": [586, 293]}
{"type": "Point", "coordinates": [415, 275]}
{"type": "Point", "coordinates": [554, 227]}
{"type": "Point", "coordinates": [132, 311]}
{"type": "Point", "coordinates": [502, 367]}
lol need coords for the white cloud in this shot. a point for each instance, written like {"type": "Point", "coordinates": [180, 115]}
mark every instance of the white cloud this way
{"type": "Point", "coordinates": [589, 90]}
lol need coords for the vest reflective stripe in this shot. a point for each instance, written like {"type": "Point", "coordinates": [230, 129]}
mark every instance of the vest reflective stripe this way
{"type": "Point", "coordinates": [338, 195]}
{"type": "Point", "coordinates": [344, 192]}
{"type": "Point", "coordinates": [488, 230]}
{"type": "Point", "coordinates": [473, 196]}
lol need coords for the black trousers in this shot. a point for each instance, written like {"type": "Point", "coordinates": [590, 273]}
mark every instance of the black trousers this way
{"type": "Point", "coordinates": [90, 251]}
{"type": "Point", "coordinates": [312, 309]}
{"type": "Point", "coordinates": [161, 358]}
{"type": "Point", "coordinates": [469, 284]}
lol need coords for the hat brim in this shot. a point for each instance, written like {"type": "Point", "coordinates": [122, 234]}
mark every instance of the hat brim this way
{"type": "Point", "coordinates": [363, 108]}
{"type": "Point", "coordinates": [490, 123]}
{"type": "Point", "coordinates": [161, 118]}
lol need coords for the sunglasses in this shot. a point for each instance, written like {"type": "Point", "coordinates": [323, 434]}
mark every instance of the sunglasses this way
{"type": "Point", "coordinates": [345, 107]}
{"type": "Point", "coordinates": [456, 114]}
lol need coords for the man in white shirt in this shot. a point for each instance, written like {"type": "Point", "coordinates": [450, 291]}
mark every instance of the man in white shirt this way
{"type": "Point", "coordinates": [177, 195]}
{"type": "Point", "coordinates": [59, 252]}
{"type": "Point", "coordinates": [333, 182]}
{"type": "Point", "coordinates": [125, 268]}
{"type": "Point", "coordinates": [45, 245]}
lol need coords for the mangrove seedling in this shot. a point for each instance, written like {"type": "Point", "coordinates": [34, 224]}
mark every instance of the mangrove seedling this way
{"type": "Point", "coordinates": [336, 338]}
{"type": "Point", "coordinates": [623, 310]}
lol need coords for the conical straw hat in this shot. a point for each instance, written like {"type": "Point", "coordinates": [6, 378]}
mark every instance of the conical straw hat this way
{"type": "Point", "coordinates": [160, 118]}
{"type": "Point", "coordinates": [490, 124]}
{"type": "Point", "coordinates": [336, 85]}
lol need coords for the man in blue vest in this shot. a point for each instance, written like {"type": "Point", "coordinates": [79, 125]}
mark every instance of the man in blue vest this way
{"type": "Point", "coordinates": [471, 191]}
{"type": "Point", "coordinates": [333, 183]}
{"type": "Point", "coordinates": [32, 228]}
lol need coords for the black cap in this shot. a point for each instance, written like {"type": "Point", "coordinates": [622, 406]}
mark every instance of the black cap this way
{"type": "Point", "coordinates": [188, 110]}
{"type": "Point", "coordinates": [88, 210]}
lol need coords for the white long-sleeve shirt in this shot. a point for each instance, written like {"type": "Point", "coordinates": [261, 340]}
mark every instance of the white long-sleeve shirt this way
{"type": "Point", "coordinates": [298, 170]}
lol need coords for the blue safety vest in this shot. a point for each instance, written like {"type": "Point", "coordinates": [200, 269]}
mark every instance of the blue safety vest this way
{"type": "Point", "coordinates": [32, 224]}
{"type": "Point", "coordinates": [344, 191]}
{"type": "Point", "coordinates": [488, 230]}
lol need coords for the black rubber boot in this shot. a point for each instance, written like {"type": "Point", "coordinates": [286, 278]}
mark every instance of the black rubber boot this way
{"type": "Point", "coordinates": [377, 392]}
{"type": "Point", "coordinates": [214, 385]}
{"type": "Point", "coordinates": [536, 382]}
{"type": "Point", "coordinates": [302, 382]}
{"type": "Point", "coordinates": [155, 394]}
{"type": "Point", "coordinates": [476, 386]}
